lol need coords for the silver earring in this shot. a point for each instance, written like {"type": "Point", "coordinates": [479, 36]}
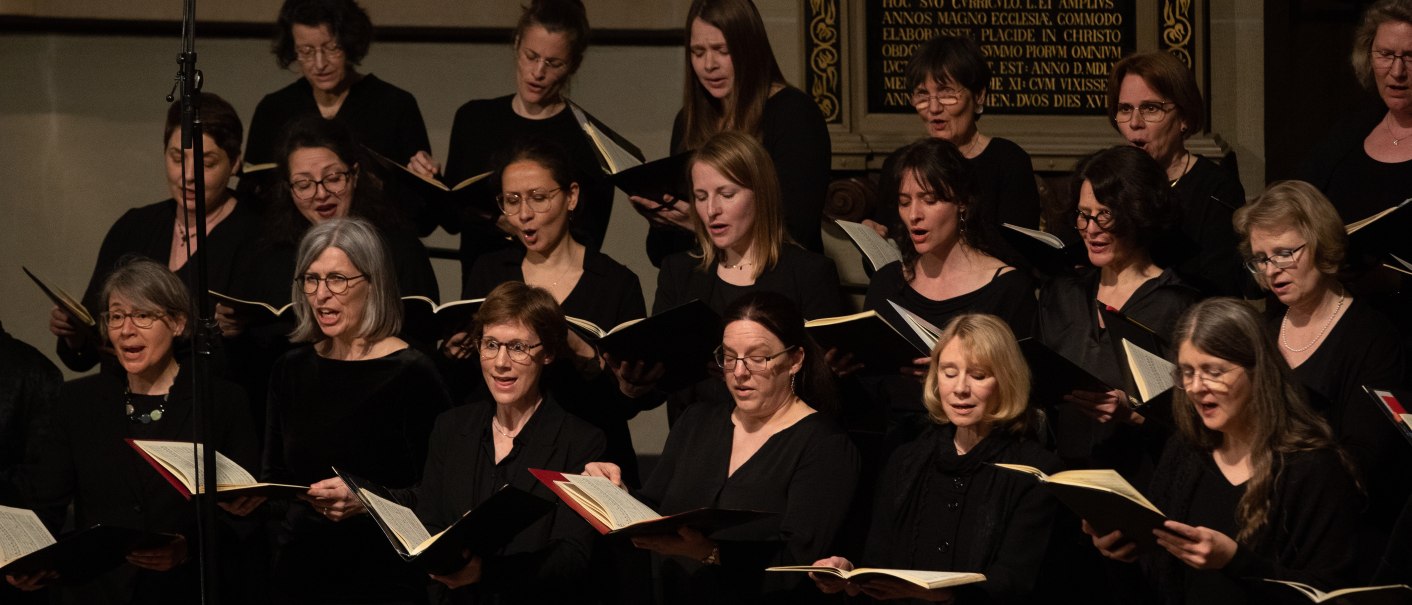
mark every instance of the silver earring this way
{"type": "Point", "coordinates": [792, 377]}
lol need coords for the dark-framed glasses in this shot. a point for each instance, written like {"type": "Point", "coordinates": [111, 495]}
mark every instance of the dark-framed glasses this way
{"type": "Point", "coordinates": [140, 319]}
{"type": "Point", "coordinates": [1281, 259]}
{"type": "Point", "coordinates": [307, 53]}
{"type": "Point", "coordinates": [1150, 112]}
{"type": "Point", "coordinates": [1103, 218]}
{"type": "Point", "coordinates": [1211, 376]}
{"type": "Point", "coordinates": [518, 350]}
{"type": "Point", "coordinates": [753, 363]}
{"type": "Point", "coordinates": [335, 183]}
{"type": "Point", "coordinates": [1383, 59]}
{"type": "Point", "coordinates": [946, 97]}
{"type": "Point", "coordinates": [538, 200]}
{"type": "Point", "coordinates": [337, 283]}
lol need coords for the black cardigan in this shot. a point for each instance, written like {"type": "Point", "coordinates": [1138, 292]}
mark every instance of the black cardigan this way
{"type": "Point", "coordinates": [547, 561]}
{"type": "Point", "coordinates": [991, 521]}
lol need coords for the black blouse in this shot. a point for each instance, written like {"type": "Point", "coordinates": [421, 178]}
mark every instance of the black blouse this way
{"type": "Point", "coordinates": [939, 510]}
{"type": "Point", "coordinates": [547, 561]}
{"type": "Point", "coordinates": [370, 417]}
{"type": "Point", "coordinates": [793, 132]}
{"type": "Point", "coordinates": [1005, 188]}
{"type": "Point", "coordinates": [808, 279]}
{"type": "Point", "coordinates": [1068, 323]}
{"type": "Point", "coordinates": [382, 116]}
{"type": "Point", "coordinates": [805, 472]}
{"type": "Point", "coordinates": [1206, 255]}
{"type": "Point", "coordinates": [1009, 295]}
{"type": "Point", "coordinates": [147, 232]}
{"type": "Point", "coordinates": [607, 294]}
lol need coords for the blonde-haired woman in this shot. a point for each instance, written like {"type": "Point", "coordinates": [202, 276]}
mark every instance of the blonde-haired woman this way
{"type": "Point", "coordinates": [941, 503]}
{"type": "Point", "coordinates": [1254, 476]}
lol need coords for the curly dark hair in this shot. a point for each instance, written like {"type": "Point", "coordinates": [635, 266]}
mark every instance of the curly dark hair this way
{"type": "Point", "coordinates": [1133, 187]}
{"type": "Point", "coordinates": [346, 21]}
{"type": "Point", "coordinates": [285, 224]}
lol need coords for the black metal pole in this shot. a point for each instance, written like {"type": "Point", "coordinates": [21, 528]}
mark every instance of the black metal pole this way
{"type": "Point", "coordinates": [203, 338]}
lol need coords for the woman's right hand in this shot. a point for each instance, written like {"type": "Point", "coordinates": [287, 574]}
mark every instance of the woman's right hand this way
{"type": "Point", "coordinates": [831, 584]}
{"type": "Point", "coordinates": [1112, 544]}
{"type": "Point", "coordinates": [33, 581]}
{"type": "Point", "coordinates": [918, 370]}
{"type": "Point", "coordinates": [842, 364]}
{"type": "Point", "coordinates": [424, 165]}
{"type": "Point", "coordinates": [332, 499]}
{"type": "Point", "coordinates": [606, 470]}
{"type": "Point", "coordinates": [666, 213]}
{"type": "Point", "coordinates": [231, 324]}
{"type": "Point", "coordinates": [458, 346]}
{"type": "Point", "coordinates": [61, 325]}
{"type": "Point", "coordinates": [875, 226]}
{"type": "Point", "coordinates": [1110, 406]}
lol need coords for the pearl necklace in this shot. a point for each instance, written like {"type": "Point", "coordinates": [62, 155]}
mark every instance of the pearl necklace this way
{"type": "Point", "coordinates": [1284, 325]}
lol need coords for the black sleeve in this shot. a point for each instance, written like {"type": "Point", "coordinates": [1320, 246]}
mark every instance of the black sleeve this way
{"type": "Point", "coordinates": [112, 249]}
{"type": "Point", "coordinates": [1017, 195]}
{"type": "Point", "coordinates": [265, 125]}
{"type": "Point", "coordinates": [672, 282]}
{"type": "Point", "coordinates": [820, 292]}
{"type": "Point", "coordinates": [565, 558]}
{"type": "Point", "coordinates": [1015, 568]}
{"type": "Point", "coordinates": [798, 141]}
{"type": "Point", "coordinates": [273, 467]}
{"type": "Point", "coordinates": [1219, 262]}
{"type": "Point", "coordinates": [29, 394]}
{"type": "Point", "coordinates": [47, 481]}
{"type": "Point", "coordinates": [413, 130]}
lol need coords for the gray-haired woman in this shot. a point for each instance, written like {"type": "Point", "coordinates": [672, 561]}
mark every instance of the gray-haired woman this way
{"type": "Point", "coordinates": [356, 397]}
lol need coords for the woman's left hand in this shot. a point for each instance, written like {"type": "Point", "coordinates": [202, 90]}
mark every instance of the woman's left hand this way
{"type": "Point", "coordinates": [1112, 406]}
{"type": "Point", "coordinates": [332, 499]}
{"type": "Point", "coordinates": [242, 506]}
{"type": "Point", "coordinates": [687, 543]}
{"type": "Point", "coordinates": [161, 558]}
{"type": "Point", "coordinates": [1199, 547]}
{"type": "Point", "coordinates": [470, 574]}
{"type": "Point", "coordinates": [885, 588]}
{"type": "Point", "coordinates": [918, 369]}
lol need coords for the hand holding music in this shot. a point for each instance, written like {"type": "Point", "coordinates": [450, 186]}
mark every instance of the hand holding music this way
{"type": "Point", "coordinates": [687, 543]}
{"type": "Point", "coordinates": [828, 584]}
{"type": "Point", "coordinates": [424, 165]}
{"type": "Point", "coordinates": [332, 499]}
{"type": "Point", "coordinates": [33, 581]}
{"type": "Point", "coordinates": [635, 377]}
{"type": "Point", "coordinates": [231, 325]}
{"type": "Point", "coordinates": [1112, 545]}
{"type": "Point", "coordinates": [61, 325]}
{"type": "Point", "coordinates": [470, 574]}
{"type": "Point", "coordinates": [161, 558]}
{"type": "Point", "coordinates": [606, 470]}
{"type": "Point", "coordinates": [1110, 406]}
{"type": "Point", "coordinates": [243, 505]}
{"type": "Point", "coordinates": [918, 369]}
{"type": "Point", "coordinates": [886, 589]}
{"type": "Point", "coordinates": [670, 212]}
{"type": "Point", "coordinates": [841, 363]}
{"type": "Point", "coordinates": [1198, 547]}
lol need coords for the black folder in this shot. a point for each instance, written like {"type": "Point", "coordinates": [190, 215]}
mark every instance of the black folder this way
{"type": "Point", "coordinates": [82, 555]}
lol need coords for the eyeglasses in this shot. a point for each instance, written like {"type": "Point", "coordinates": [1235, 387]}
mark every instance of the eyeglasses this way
{"type": "Point", "coordinates": [922, 99]}
{"type": "Point", "coordinates": [1281, 259]}
{"type": "Point", "coordinates": [1104, 219]}
{"type": "Point", "coordinates": [1185, 378]}
{"type": "Point", "coordinates": [1150, 112]}
{"type": "Point", "coordinates": [519, 351]}
{"type": "Point", "coordinates": [532, 58]}
{"type": "Point", "coordinates": [140, 319]}
{"type": "Point", "coordinates": [306, 54]}
{"type": "Point", "coordinates": [538, 200]}
{"type": "Point", "coordinates": [334, 183]}
{"type": "Point", "coordinates": [753, 363]}
{"type": "Point", "coordinates": [1383, 58]}
{"type": "Point", "coordinates": [337, 284]}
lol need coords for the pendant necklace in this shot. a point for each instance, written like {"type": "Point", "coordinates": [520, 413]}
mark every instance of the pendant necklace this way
{"type": "Point", "coordinates": [147, 417]}
{"type": "Point", "coordinates": [1396, 140]}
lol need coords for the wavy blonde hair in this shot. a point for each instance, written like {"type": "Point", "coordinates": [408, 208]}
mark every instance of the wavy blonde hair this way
{"type": "Point", "coordinates": [991, 344]}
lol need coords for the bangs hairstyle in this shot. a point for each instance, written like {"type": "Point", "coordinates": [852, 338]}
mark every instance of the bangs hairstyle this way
{"type": "Point", "coordinates": [1384, 11]}
{"type": "Point", "coordinates": [347, 22]}
{"type": "Point", "coordinates": [1300, 206]}
{"type": "Point", "coordinates": [940, 169]}
{"type": "Point", "coordinates": [754, 65]}
{"type": "Point", "coordinates": [949, 59]}
{"type": "Point", "coordinates": [1133, 187]}
{"type": "Point", "coordinates": [740, 158]}
{"type": "Point", "coordinates": [565, 17]}
{"type": "Point", "coordinates": [781, 317]}
{"type": "Point", "coordinates": [218, 119]}
{"type": "Point", "coordinates": [360, 240]}
{"type": "Point", "coordinates": [286, 224]}
{"type": "Point", "coordinates": [1166, 75]}
{"type": "Point", "coordinates": [989, 343]}
{"type": "Point", "coordinates": [149, 286]}
{"type": "Point", "coordinates": [515, 302]}
{"type": "Point", "coordinates": [1277, 413]}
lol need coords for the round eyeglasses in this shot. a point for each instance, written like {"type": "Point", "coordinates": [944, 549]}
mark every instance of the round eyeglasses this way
{"type": "Point", "coordinates": [140, 319]}
{"type": "Point", "coordinates": [1104, 219]}
{"type": "Point", "coordinates": [337, 284]}
{"type": "Point", "coordinates": [334, 183]}
{"type": "Point", "coordinates": [538, 200]}
{"type": "Point", "coordinates": [519, 351]}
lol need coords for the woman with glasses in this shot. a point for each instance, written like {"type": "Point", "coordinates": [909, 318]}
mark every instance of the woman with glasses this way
{"type": "Point", "coordinates": [1155, 104]}
{"type": "Point", "coordinates": [166, 231]}
{"type": "Point", "coordinates": [1253, 485]}
{"type": "Point", "coordinates": [1362, 166]}
{"type": "Point", "coordinates": [1337, 343]}
{"type": "Point", "coordinates": [949, 79]}
{"type": "Point", "coordinates": [733, 84]}
{"type": "Point", "coordinates": [736, 214]}
{"type": "Point", "coordinates": [539, 195]}
{"type": "Point", "coordinates": [551, 38]}
{"type": "Point", "coordinates": [1121, 201]}
{"type": "Point", "coordinates": [940, 503]}
{"type": "Point", "coordinates": [354, 396]}
{"type": "Point", "coordinates": [84, 459]}
{"type": "Point", "coordinates": [326, 40]}
{"type": "Point", "coordinates": [774, 449]}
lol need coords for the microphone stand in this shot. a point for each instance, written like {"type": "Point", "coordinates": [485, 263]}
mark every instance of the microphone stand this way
{"type": "Point", "coordinates": [189, 80]}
